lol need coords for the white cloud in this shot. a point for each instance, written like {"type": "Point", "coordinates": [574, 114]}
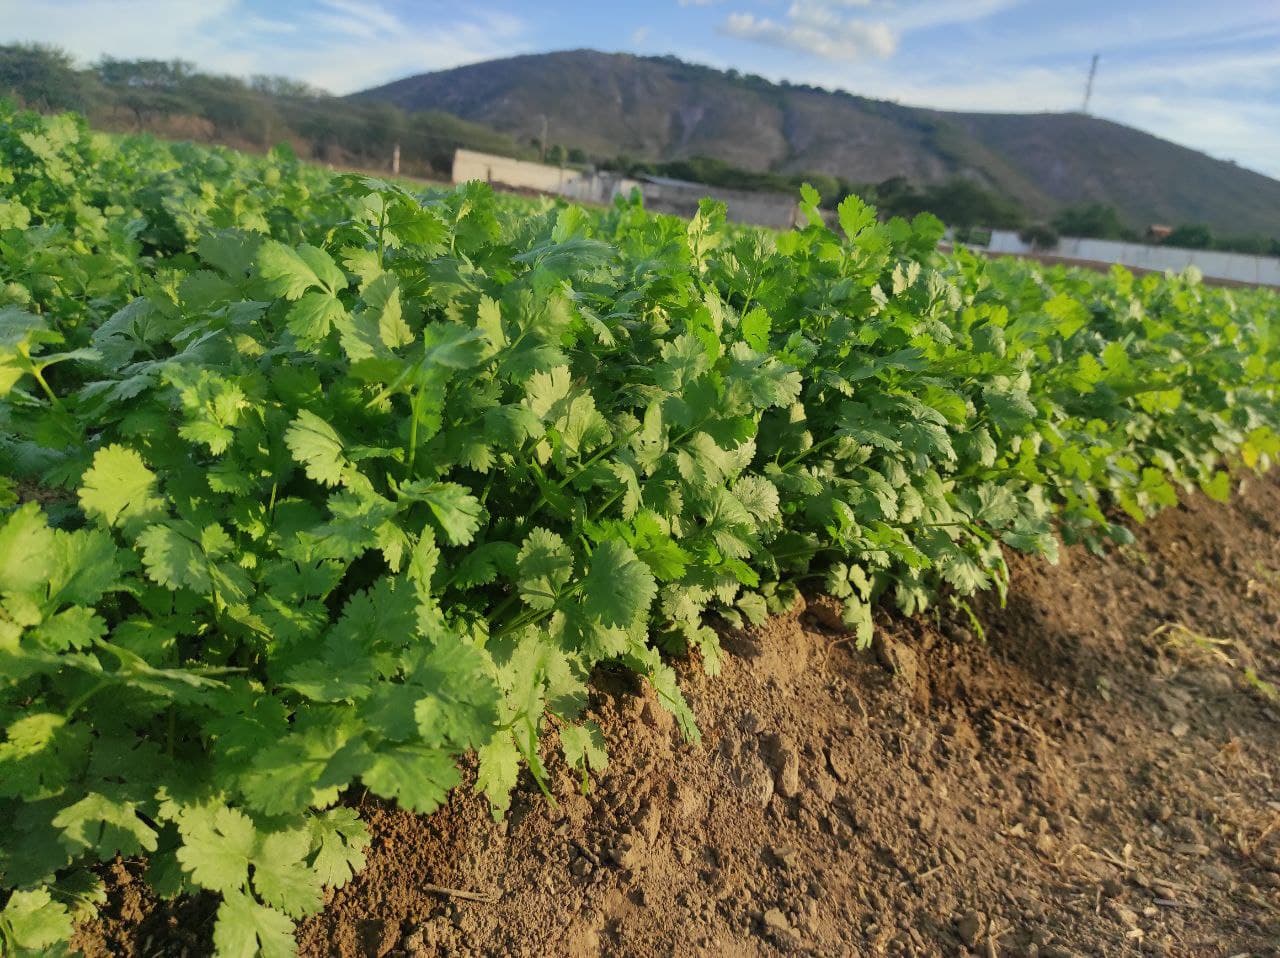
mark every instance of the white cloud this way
{"type": "Point", "coordinates": [639, 35]}
{"type": "Point", "coordinates": [853, 30]}
{"type": "Point", "coordinates": [928, 14]}
{"type": "Point", "coordinates": [345, 45]}
{"type": "Point", "coordinates": [817, 30]}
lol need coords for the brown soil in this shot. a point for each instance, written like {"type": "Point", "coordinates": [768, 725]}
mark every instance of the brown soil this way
{"type": "Point", "coordinates": [1091, 781]}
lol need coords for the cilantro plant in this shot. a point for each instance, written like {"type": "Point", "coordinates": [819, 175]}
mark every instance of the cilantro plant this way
{"type": "Point", "coordinates": [314, 483]}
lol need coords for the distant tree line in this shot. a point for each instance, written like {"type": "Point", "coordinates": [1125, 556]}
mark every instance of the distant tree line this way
{"type": "Point", "coordinates": [172, 98]}
{"type": "Point", "coordinates": [1099, 221]}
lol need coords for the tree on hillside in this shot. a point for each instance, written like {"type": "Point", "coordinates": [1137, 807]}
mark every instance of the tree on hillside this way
{"type": "Point", "coordinates": [1190, 236]}
{"type": "Point", "coordinates": [1093, 221]}
{"type": "Point", "coordinates": [959, 202]}
{"type": "Point", "coordinates": [161, 74]}
{"type": "Point", "coordinates": [272, 85]}
{"type": "Point", "coordinates": [43, 77]}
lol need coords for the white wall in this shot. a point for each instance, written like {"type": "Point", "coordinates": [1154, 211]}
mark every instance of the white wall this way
{"type": "Point", "coordinates": [504, 171]}
{"type": "Point", "coordinates": [1242, 267]}
{"type": "Point", "coordinates": [469, 165]}
{"type": "Point", "coordinates": [764, 209]}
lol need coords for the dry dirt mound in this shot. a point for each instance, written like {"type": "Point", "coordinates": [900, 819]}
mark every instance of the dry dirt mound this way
{"type": "Point", "coordinates": [1102, 777]}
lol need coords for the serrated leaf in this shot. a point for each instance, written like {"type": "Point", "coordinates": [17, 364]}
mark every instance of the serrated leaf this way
{"type": "Point", "coordinates": [755, 329]}
{"type": "Point", "coordinates": [543, 567]}
{"type": "Point", "coordinates": [217, 847]}
{"type": "Point", "coordinates": [460, 704]}
{"type": "Point", "coordinates": [619, 588]}
{"type": "Point", "coordinates": [173, 559]}
{"type": "Point", "coordinates": [317, 446]}
{"type": "Point", "coordinates": [281, 876]}
{"type": "Point", "coordinates": [26, 550]}
{"type": "Point", "coordinates": [418, 778]}
{"type": "Point", "coordinates": [119, 490]}
{"type": "Point", "coordinates": [338, 839]}
{"type": "Point", "coordinates": [75, 628]}
{"type": "Point", "coordinates": [104, 827]}
{"type": "Point", "coordinates": [34, 922]}
{"type": "Point", "coordinates": [246, 929]}
{"type": "Point", "coordinates": [290, 273]}
{"type": "Point", "coordinates": [498, 773]}
{"type": "Point", "coordinates": [584, 749]}
{"type": "Point", "coordinates": [454, 507]}
{"type": "Point", "coordinates": [313, 316]}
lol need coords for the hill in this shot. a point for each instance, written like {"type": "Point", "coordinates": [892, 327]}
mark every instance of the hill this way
{"type": "Point", "coordinates": [660, 108]}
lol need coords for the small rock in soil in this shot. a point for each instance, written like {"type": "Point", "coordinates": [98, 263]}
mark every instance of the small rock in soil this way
{"type": "Point", "coordinates": [839, 767]}
{"type": "Point", "coordinates": [775, 920]}
{"type": "Point", "coordinates": [628, 851]}
{"type": "Point", "coordinates": [827, 612]}
{"type": "Point", "coordinates": [649, 821]}
{"type": "Point", "coordinates": [785, 760]}
{"type": "Point", "coordinates": [784, 855]}
{"type": "Point", "coordinates": [854, 702]}
{"type": "Point", "coordinates": [824, 786]}
{"type": "Point", "coordinates": [1127, 915]}
{"type": "Point", "coordinates": [657, 717]}
{"type": "Point", "coordinates": [969, 927]}
{"type": "Point", "coordinates": [898, 658]}
{"type": "Point", "coordinates": [750, 774]}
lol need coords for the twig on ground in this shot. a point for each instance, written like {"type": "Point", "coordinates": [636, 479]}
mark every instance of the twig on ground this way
{"type": "Point", "coordinates": [1019, 724]}
{"type": "Point", "coordinates": [922, 876]}
{"type": "Point", "coordinates": [459, 893]}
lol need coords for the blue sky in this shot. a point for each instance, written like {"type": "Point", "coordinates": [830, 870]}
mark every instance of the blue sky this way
{"type": "Point", "coordinates": [1206, 74]}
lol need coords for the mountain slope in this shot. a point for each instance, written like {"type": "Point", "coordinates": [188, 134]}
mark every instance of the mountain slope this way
{"type": "Point", "coordinates": [662, 108]}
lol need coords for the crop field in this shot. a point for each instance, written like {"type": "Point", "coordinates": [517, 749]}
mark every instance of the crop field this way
{"type": "Point", "coordinates": [314, 485]}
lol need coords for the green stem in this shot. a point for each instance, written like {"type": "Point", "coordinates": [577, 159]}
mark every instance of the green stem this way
{"type": "Point", "coordinates": [382, 226]}
{"type": "Point", "coordinates": [607, 503]}
{"type": "Point", "coordinates": [612, 447]}
{"type": "Point", "coordinates": [411, 453]}
{"type": "Point", "coordinates": [810, 451]}
{"type": "Point", "coordinates": [57, 403]}
{"type": "Point", "coordinates": [488, 486]}
{"type": "Point", "coordinates": [79, 702]}
{"type": "Point", "coordinates": [532, 616]}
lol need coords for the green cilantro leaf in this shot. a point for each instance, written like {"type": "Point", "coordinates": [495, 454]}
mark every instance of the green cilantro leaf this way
{"type": "Point", "coordinates": [119, 490]}
{"type": "Point", "coordinates": [246, 929]}
{"type": "Point", "coordinates": [317, 445]}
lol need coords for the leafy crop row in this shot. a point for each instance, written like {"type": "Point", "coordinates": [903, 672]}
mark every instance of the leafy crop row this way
{"type": "Point", "coordinates": [314, 481]}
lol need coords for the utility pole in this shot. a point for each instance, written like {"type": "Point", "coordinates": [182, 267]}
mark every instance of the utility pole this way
{"type": "Point", "coordinates": [542, 141]}
{"type": "Point", "coordinates": [1088, 87]}
{"type": "Point", "coordinates": [395, 160]}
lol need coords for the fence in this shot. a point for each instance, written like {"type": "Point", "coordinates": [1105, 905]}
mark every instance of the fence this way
{"type": "Point", "coordinates": [1236, 267]}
